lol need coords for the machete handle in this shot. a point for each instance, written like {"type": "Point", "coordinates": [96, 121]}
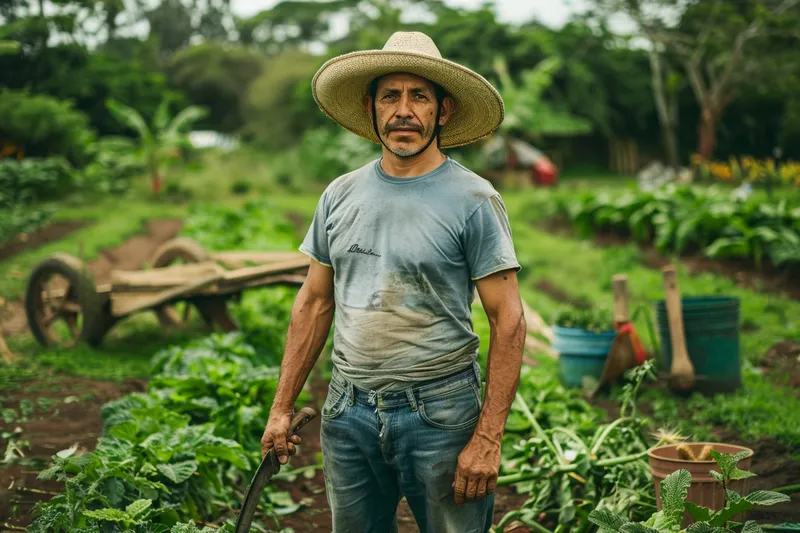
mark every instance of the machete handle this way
{"type": "Point", "coordinates": [302, 418]}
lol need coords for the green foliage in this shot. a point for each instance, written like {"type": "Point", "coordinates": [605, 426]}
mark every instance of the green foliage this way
{"type": "Point", "coordinates": [24, 186]}
{"type": "Point", "coordinates": [43, 126]}
{"type": "Point", "coordinates": [674, 491]}
{"type": "Point", "coordinates": [174, 452]}
{"type": "Point", "coordinates": [256, 225]}
{"type": "Point", "coordinates": [160, 142]}
{"type": "Point", "coordinates": [327, 154]}
{"type": "Point", "coordinates": [216, 78]}
{"type": "Point", "coordinates": [597, 320]}
{"type": "Point", "coordinates": [679, 219]}
{"type": "Point", "coordinates": [561, 454]}
{"type": "Point", "coordinates": [275, 117]}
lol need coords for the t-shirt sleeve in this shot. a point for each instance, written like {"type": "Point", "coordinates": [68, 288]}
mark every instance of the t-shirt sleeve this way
{"type": "Point", "coordinates": [316, 242]}
{"type": "Point", "coordinates": [488, 245]}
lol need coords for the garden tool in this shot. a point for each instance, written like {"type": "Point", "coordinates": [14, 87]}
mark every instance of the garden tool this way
{"type": "Point", "coordinates": [268, 468]}
{"type": "Point", "coordinates": [626, 349]}
{"type": "Point", "coordinates": [681, 375]}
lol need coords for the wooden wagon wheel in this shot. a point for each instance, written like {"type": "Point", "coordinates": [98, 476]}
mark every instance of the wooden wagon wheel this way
{"type": "Point", "coordinates": [62, 304]}
{"type": "Point", "coordinates": [177, 251]}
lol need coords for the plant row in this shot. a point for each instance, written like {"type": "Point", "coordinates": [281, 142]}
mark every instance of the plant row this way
{"type": "Point", "coordinates": [677, 219]}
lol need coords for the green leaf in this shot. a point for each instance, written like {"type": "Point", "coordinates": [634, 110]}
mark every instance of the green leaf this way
{"type": "Point", "coordinates": [766, 497]}
{"type": "Point", "coordinates": [731, 509]}
{"type": "Point", "coordinates": [606, 520]}
{"type": "Point", "coordinates": [138, 507]}
{"type": "Point", "coordinates": [131, 118]}
{"type": "Point", "coordinates": [126, 431]}
{"type": "Point", "coordinates": [704, 527]}
{"type": "Point", "coordinates": [114, 490]}
{"type": "Point", "coordinates": [699, 514]}
{"type": "Point", "coordinates": [178, 472]}
{"type": "Point", "coordinates": [49, 473]}
{"type": "Point", "coordinates": [751, 527]}
{"type": "Point", "coordinates": [109, 515]}
{"type": "Point", "coordinates": [637, 528]}
{"type": "Point", "coordinates": [674, 490]}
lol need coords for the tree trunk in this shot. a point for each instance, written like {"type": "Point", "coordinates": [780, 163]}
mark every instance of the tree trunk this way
{"type": "Point", "coordinates": [707, 133]}
{"type": "Point", "coordinates": [666, 105]}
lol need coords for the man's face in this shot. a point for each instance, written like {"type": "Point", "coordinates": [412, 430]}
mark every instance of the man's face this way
{"type": "Point", "coordinates": [405, 108]}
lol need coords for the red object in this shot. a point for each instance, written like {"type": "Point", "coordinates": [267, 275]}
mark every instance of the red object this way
{"type": "Point", "coordinates": [639, 351]}
{"type": "Point", "coordinates": [546, 172]}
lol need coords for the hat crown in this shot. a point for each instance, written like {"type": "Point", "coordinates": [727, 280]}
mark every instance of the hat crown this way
{"type": "Point", "coordinates": [412, 41]}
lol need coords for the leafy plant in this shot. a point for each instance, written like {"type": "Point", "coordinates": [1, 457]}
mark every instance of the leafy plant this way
{"type": "Point", "coordinates": [677, 219]}
{"type": "Point", "coordinates": [160, 142]}
{"type": "Point", "coordinates": [576, 464]}
{"type": "Point", "coordinates": [596, 319]}
{"type": "Point", "coordinates": [675, 489]}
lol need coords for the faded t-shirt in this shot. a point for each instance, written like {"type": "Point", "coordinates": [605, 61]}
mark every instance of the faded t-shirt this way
{"type": "Point", "coordinates": [406, 253]}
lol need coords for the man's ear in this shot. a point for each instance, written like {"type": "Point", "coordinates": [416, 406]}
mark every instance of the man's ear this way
{"type": "Point", "coordinates": [447, 107]}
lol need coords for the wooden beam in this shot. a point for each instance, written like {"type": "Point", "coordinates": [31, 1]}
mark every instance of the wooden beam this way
{"type": "Point", "coordinates": [245, 258]}
{"type": "Point", "coordinates": [122, 306]}
{"type": "Point", "coordinates": [160, 278]}
{"type": "Point", "coordinates": [249, 273]}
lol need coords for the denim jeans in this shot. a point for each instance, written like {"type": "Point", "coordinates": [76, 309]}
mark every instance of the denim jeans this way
{"type": "Point", "coordinates": [380, 446]}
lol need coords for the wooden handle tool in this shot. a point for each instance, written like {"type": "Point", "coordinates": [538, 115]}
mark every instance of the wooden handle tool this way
{"type": "Point", "coordinates": [682, 372]}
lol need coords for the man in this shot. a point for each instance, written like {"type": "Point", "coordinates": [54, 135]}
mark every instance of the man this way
{"type": "Point", "coordinates": [399, 246]}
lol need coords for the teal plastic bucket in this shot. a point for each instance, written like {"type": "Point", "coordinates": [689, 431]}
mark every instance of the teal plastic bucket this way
{"type": "Point", "coordinates": [581, 353]}
{"type": "Point", "coordinates": [711, 325]}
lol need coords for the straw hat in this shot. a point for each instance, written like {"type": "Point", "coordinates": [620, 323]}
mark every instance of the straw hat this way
{"type": "Point", "coordinates": [340, 85]}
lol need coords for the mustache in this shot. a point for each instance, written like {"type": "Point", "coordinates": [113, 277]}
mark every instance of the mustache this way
{"type": "Point", "coordinates": [402, 125]}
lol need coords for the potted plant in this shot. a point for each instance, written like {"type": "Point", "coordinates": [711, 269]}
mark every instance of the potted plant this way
{"type": "Point", "coordinates": [673, 504]}
{"type": "Point", "coordinates": [582, 338]}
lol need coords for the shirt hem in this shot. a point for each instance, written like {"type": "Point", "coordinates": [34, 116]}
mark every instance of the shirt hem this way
{"type": "Point", "coordinates": [509, 266]}
{"type": "Point", "coordinates": [316, 257]}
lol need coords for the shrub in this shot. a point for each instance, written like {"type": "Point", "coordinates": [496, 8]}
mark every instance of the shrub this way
{"type": "Point", "coordinates": [44, 126]}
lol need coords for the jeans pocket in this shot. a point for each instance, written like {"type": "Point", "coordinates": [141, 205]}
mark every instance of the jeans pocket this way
{"type": "Point", "coordinates": [457, 409]}
{"type": "Point", "coordinates": [335, 402]}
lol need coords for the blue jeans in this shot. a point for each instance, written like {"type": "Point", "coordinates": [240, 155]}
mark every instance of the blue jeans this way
{"type": "Point", "coordinates": [380, 446]}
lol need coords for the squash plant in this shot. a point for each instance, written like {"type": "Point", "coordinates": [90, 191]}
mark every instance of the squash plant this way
{"type": "Point", "coordinates": [675, 489]}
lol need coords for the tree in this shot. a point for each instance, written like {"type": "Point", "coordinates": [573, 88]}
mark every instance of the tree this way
{"type": "Point", "coordinates": [721, 46]}
{"type": "Point", "coordinates": [160, 142]}
{"type": "Point", "coordinates": [666, 84]}
{"type": "Point", "coordinates": [217, 78]}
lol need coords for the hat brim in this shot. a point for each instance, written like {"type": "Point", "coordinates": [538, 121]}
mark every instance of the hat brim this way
{"type": "Point", "coordinates": [340, 85]}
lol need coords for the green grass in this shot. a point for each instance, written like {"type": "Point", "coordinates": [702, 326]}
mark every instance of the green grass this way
{"type": "Point", "coordinates": [125, 353]}
{"type": "Point", "coordinates": [112, 221]}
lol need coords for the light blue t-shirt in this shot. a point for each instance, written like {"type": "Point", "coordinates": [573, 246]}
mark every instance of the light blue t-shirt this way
{"type": "Point", "coordinates": [405, 254]}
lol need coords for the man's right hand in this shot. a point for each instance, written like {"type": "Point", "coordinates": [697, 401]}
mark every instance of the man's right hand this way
{"type": "Point", "coordinates": [275, 436]}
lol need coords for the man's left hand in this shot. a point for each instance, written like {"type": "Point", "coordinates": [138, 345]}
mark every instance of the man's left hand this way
{"type": "Point", "coordinates": [478, 466]}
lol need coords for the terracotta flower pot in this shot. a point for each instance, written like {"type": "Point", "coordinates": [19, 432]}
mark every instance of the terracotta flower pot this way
{"type": "Point", "coordinates": [704, 490]}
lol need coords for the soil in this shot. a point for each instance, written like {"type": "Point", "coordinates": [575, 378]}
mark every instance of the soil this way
{"type": "Point", "coordinates": [744, 273]}
{"type": "Point", "coordinates": [49, 233]}
{"type": "Point", "coordinates": [131, 254]}
{"type": "Point", "coordinates": [315, 515]}
{"type": "Point", "coordinates": [782, 360]}
{"type": "Point", "coordinates": [66, 413]}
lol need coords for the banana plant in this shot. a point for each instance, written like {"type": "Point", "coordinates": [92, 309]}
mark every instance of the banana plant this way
{"type": "Point", "coordinates": [160, 141]}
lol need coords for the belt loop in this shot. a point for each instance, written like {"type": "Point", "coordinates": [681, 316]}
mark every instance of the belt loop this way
{"type": "Point", "coordinates": [411, 399]}
{"type": "Point", "coordinates": [352, 394]}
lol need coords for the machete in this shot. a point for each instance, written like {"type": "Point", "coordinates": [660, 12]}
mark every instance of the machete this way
{"type": "Point", "coordinates": [269, 467]}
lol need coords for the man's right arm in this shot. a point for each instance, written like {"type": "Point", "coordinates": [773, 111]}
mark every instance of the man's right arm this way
{"type": "Point", "coordinates": [310, 323]}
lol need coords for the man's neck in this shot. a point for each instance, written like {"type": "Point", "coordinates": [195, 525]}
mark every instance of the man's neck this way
{"type": "Point", "coordinates": [411, 167]}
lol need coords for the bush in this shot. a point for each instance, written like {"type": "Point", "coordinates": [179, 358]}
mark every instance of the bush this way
{"type": "Point", "coordinates": [44, 126]}
{"type": "Point", "coordinates": [327, 154]}
{"type": "Point", "coordinates": [24, 185]}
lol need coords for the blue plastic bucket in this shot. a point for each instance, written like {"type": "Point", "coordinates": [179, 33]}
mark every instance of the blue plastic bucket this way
{"type": "Point", "coordinates": [581, 353]}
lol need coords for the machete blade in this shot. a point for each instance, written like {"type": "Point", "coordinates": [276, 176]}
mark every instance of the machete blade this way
{"type": "Point", "coordinates": [269, 467]}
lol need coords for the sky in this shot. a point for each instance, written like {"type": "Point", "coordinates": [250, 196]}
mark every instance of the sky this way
{"type": "Point", "coordinates": [551, 12]}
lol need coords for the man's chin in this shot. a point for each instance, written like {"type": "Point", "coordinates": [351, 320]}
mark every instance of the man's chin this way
{"type": "Point", "coordinates": [404, 150]}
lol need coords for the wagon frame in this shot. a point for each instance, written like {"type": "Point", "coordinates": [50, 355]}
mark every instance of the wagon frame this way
{"type": "Point", "coordinates": [181, 274]}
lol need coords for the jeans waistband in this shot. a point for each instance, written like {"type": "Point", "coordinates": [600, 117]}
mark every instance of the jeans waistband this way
{"type": "Point", "coordinates": [414, 393]}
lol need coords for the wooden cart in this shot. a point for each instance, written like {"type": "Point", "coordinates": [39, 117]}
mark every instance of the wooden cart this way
{"type": "Point", "coordinates": [65, 306]}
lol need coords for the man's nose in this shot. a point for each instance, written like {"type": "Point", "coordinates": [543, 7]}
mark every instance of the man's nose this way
{"type": "Point", "coordinates": [403, 107]}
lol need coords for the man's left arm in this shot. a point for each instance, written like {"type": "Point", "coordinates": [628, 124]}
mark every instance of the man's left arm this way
{"type": "Point", "coordinates": [479, 462]}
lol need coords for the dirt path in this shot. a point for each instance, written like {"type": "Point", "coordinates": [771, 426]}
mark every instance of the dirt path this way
{"type": "Point", "coordinates": [52, 413]}
{"type": "Point", "coordinates": [50, 233]}
{"type": "Point", "coordinates": [131, 254]}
